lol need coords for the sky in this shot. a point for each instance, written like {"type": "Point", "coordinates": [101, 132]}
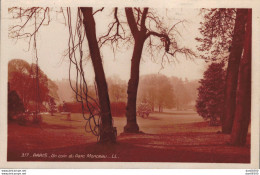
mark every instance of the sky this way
{"type": "Point", "coordinates": [52, 41]}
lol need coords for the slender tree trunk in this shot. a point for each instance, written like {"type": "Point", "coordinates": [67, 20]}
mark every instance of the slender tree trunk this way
{"type": "Point", "coordinates": [232, 70]}
{"type": "Point", "coordinates": [243, 105]}
{"type": "Point", "coordinates": [106, 128]}
{"type": "Point", "coordinates": [132, 126]}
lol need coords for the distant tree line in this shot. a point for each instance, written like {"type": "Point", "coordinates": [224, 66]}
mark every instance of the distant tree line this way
{"type": "Point", "coordinates": [159, 91]}
{"type": "Point", "coordinates": [162, 92]}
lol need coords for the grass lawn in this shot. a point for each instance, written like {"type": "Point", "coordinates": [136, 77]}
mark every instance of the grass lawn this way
{"type": "Point", "coordinates": [172, 136]}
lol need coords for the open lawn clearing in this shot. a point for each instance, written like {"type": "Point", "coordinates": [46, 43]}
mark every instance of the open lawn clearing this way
{"type": "Point", "coordinates": [166, 137]}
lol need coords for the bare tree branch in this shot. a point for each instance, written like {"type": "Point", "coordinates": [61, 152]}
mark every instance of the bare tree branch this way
{"type": "Point", "coordinates": [115, 32]}
{"type": "Point", "coordinates": [143, 27]}
{"type": "Point", "coordinates": [99, 10]}
{"type": "Point", "coordinates": [31, 20]}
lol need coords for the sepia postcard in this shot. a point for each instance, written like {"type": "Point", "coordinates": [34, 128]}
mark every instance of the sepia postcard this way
{"type": "Point", "coordinates": [134, 84]}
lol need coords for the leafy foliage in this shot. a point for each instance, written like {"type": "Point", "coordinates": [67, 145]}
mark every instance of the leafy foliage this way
{"type": "Point", "coordinates": [216, 30]}
{"type": "Point", "coordinates": [15, 104]}
{"type": "Point", "coordinates": [22, 79]}
{"type": "Point", "coordinates": [210, 99]}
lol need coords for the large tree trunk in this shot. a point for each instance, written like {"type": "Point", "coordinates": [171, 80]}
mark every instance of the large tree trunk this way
{"type": "Point", "coordinates": [139, 37]}
{"type": "Point", "coordinates": [106, 128]}
{"type": "Point", "coordinates": [232, 70]}
{"type": "Point", "coordinates": [132, 126]}
{"type": "Point", "coordinates": [243, 105]}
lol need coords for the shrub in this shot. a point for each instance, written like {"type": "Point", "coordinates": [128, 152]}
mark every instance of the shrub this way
{"type": "Point", "coordinates": [15, 105]}
{"type": "Point", "coordinates": [74, 107]}
{"type": "Point", "coordinates": [118, 108]}
{"type": "Point", "coordinates": [210, 99]}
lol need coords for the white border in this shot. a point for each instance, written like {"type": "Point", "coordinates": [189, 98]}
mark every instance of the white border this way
{"type": "Point", "coordinates": [254, 4]}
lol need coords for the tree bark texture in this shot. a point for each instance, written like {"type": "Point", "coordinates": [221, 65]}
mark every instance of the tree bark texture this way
{"type": "Point", "coordinates": [232, 70]}
{"type": "Point", "coordinates": [132, 126]}
{"type": "Point", "coordinates": [106, 128]}
{"type": "Point", "coordinates": [243, 103]}
{"type": "Point", "coordinates": [139, 37]}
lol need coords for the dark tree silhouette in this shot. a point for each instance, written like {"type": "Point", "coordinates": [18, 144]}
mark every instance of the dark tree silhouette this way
{"type": "Point", "coordinates": [140, 32]}
{"type": "Point", "coordinates": [15, 104]}
{"type": "Point", "coordinates": [243, 102]}
{"type": "Point", "coordinates": [223, 31]}
{"type": "Point", "coordinates": [233, 69]}
{"type": "Point", "coordinates": [145, 25]}
{"type": "Point", "coordinates": [210, 99]}
{"type": "Point", "coordinates": [99, 120]}
{"type": "Point", "coordinates": [106, 129]}
{"type": "Point", "coordinates": [217, 31]}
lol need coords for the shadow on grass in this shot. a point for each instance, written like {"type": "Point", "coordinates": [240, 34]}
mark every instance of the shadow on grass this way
{"type": "Point", "coordinates": [176, 113]}
{"type": "Point", "coordinates": [72, 120]}
{"type": "Point", "coordinates": [54, 126]}
{"type": "Point", "coordinates": [151, 118]}
{"type": "Point", "coordinates": [145, 148]}
{"type": "Point", "coordinates": [125, 152]}
{"type": "Point", "coordinates": [43, 125]}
